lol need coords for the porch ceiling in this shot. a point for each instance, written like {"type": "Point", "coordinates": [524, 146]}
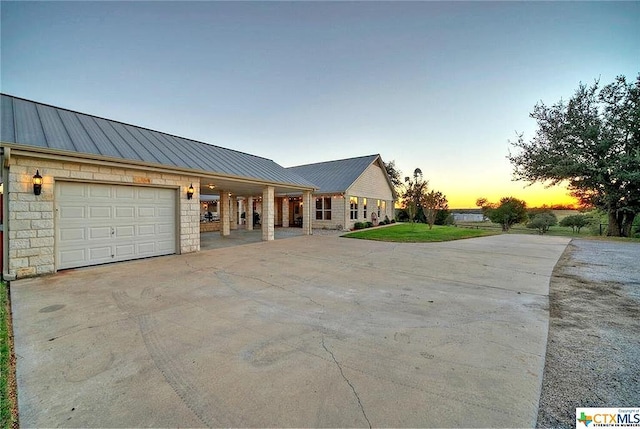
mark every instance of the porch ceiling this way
{"type": "Point", "coordinates": [242, 188]}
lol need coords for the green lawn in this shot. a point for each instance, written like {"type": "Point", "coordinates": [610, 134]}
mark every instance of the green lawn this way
{"type": "Point", "coordinates": [7, 420]}
{"type": "Point", "coordinates": [418, 233]}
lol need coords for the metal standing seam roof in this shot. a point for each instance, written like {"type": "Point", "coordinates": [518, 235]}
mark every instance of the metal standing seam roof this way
{"type": "Point", "coordinates": [28, 123]}
{"type": "Point", "coordinates": [334, 176]}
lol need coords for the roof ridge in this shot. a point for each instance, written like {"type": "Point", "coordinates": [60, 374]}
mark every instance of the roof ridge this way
{"type": "Point", "coordinates": [335, 160]}
{"type": "Point", "coordinates": [131, 125]}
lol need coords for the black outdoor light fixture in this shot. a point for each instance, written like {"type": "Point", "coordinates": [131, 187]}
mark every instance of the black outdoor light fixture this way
{"type": "Point", "coordinates": [37, 183]}
{"type": "Point", "coordinates": [190, 192]}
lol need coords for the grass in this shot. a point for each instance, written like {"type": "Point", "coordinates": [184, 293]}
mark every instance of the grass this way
{"type": "Point", "coordinates": [8, 407]}
{"type": "Point", "coordinates": [561, 231]}
{"type": "Point", "coordinates": [418, 233]}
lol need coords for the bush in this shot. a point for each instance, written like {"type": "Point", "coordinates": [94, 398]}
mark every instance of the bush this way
{"type": "Point", "coordinates": [576, 222]}
{"type": "Point", "coordinates": [368, 224]}
{"type": "Point", "coordinates": [441, 217]}
{"type": "Point", "coordinates": [542, 222]}
{"type": "Point", "coordinates": [358, 225]}
{"type": "Point", "coordinates": [402, 215]}
{"type": "Point", "coordinates": [393, 221]}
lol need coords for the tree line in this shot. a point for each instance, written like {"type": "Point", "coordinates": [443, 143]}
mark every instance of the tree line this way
{"type": "Point", "coordinates": [590, 143]}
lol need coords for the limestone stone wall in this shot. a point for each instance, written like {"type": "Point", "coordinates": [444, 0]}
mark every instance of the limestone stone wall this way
{"type": "Point", "coordinates": [30, 225]}
{"type": "Point", "coordinates": [337, 213]}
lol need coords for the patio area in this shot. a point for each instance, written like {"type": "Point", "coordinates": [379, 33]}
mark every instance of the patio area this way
{"type": "Point", "coordinates": [214, 240]}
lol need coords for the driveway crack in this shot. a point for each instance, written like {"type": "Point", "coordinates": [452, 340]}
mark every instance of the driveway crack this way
{"type": "Point", "coordinates": [348, 382]}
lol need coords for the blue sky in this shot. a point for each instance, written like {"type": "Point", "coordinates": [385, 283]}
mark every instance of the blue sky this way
{"type": "Point", "coordinates": [441, 86]}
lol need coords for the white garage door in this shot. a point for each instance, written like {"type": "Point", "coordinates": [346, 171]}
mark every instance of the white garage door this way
{"type": "Point", "coordinates": [97, 223]}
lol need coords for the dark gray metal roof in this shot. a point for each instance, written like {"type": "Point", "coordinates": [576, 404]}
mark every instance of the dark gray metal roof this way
{"type": "Point", "coordinates": [334, 176]}
{"type": "Point", "coordinates": [27, 123]}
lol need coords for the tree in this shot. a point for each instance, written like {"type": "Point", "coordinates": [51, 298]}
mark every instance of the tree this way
{"type": "Point", "coordinates": [395, 176]}
{"type": "Point", "coordinates": [542, 222]}
{"type": "Point", "coordinates": [507, 213]}
{"type": "Point", "coordinates": [432, 203]}
{"type": "Point", "coordinates": [576, 222]}
{"type": "Point", "coordinates": [592, 142]}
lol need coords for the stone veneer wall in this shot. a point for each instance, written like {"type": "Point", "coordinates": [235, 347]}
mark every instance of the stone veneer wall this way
{"type": "Point", "coordinates": [31, 218]}
{"type": "Point", "coordinates": [337, 213]}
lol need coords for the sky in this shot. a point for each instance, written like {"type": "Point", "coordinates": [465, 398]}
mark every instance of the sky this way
{"type": "Point", "coordinates": [440, 86]}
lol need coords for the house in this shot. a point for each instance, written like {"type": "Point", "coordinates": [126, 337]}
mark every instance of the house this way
{"type": "Point", "coordinates": [349, 191]}
{"type": "Point", "coordinates": [81, 190]}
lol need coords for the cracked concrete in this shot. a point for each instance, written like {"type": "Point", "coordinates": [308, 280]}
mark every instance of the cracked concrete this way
{"type": "Point", "coordinates": [302, 332]}
{"type": "Point", "coordinates": [355, 392]}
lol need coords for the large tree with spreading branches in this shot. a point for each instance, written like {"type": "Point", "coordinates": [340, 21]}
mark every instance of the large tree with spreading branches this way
{"type": "Point", "coordinates": [591, 142]}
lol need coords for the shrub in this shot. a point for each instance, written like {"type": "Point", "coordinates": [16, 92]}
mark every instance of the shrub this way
{"type": "Point", "coordinates": [542, 222]}
{"type": "Point", "coordinates": [576, 222]}
{"type": "Point", "coordinates": [358, 225]}
{"type": "Point", "coordinates": [402, 215]}
{"type": "Point", "coordinates": [368, 224]}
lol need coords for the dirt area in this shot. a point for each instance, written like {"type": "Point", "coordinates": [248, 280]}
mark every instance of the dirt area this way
{"type": "Point", "coordinates": [593, 349]}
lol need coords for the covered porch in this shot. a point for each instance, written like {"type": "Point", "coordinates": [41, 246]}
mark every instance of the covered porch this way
{"type": "Point", "coordinates": [245, 206]}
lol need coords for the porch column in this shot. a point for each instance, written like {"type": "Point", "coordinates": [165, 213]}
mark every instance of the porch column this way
{"type": "Point", "coordinates": [285, 211]}
{"type": "Point", "coordinates": [249, 214]}
{"type": "Point", "coordinates": [268, 228]}
{"type": "Point", "coordinates": [225, 210]}
{"type": "Point", "coordinates": [347, 212]}
{"type": "Point", "coordinates": [233, 214]}
{"type": "Point", "coordinates": [306, 213]}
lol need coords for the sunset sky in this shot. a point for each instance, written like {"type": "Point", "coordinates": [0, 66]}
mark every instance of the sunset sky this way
{"type": "Point", "coordinates": [442, 86]}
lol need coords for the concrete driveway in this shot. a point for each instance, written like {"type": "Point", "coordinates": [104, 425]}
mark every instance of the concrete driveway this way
{"type": "Point", "coordinates": [306, 332]}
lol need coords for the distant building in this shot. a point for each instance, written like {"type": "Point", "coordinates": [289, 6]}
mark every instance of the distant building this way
{"type": "Point", "coordinates": [468, 217]}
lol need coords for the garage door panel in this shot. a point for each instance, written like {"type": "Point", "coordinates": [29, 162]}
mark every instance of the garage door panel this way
{"type": "Point", "coordinates": [99, 223]}
{"type": "Point", "coordinates": [100, 212]}
{"type": "Point", "coordinates": [147, 194]}
{"type": "Point", "coordinates": [70, 257]}
{"type": "Point", "coordinates": [146, 212]}
{"type": "Point", "coordinates": [127, 212]}
{"type": "Point", "coordinates": [71, 190]}
{"type": "Point", "coordinates": [100, 192]}
{"type": "Point", "coordinates": [125, 251]}
{"type": "Point", "coordinates": [102, 254]}
{"type": "Point", "coordinates": [99, 232]}
{"type": "Point", "coordinates": [146, 230]}
{"type": "Point", "coordinates": [165, 228]}
{"type": "Point", "coordinates": [127, 231]}
{"type": "Point", "coordinates": [73, 212]}
{"type": "Point", "coordinates": [71, 234]}
{"type": "Point", "coordinates": [166, 245]}
{"type": "Point", "coordinates": [147, 248]}
{"type": "Point", "coordinates": [165, 211]}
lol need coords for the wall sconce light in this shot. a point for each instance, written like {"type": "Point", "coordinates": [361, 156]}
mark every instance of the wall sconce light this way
{"type": "Point", "coordinates": [190, 192]}
{"type": "Point", "coordinates": [37, 183]}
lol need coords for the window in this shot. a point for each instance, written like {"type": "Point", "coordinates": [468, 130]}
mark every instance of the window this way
{"type": "Point", "coordinates": [364, 203]}
{"type": "Point", "coordinates": [353, 207]}
{"type": "Point", "coordinates": [378, 209]}
{"type": "Point", "coordinates": [323, 208]}
{"type": "Point", "coordinates": [384, 207]}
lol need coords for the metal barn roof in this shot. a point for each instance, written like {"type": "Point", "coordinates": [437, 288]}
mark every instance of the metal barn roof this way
{"type": "Point", "coordinates": [334, 176]}
{"type": "Point", "coordinates": [53, 129]}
